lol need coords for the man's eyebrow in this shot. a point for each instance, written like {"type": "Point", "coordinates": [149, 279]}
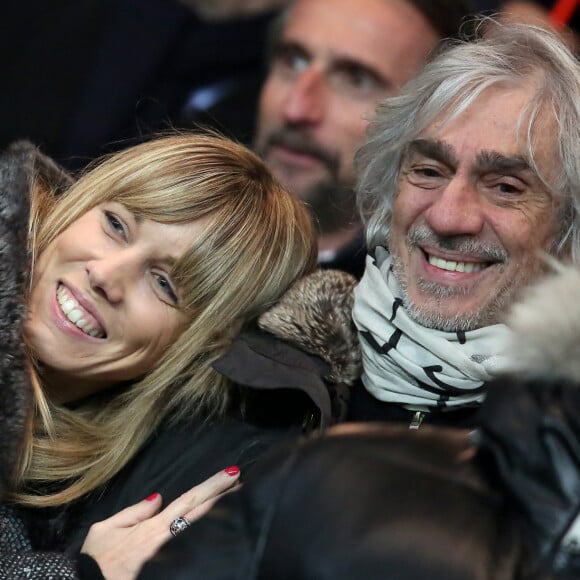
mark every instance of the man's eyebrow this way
{"type": "Point", "coordinates": [492, 161]}
{"type": "Point", "coordinates": [283, 46]}
{"type": "Point", "coordinates": [433, 149]}
{"type": "Point", "coordinates": [352, 65]}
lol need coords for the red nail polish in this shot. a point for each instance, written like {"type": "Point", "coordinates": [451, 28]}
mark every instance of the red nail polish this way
{"type": "Point", "coordinates": [151, 497]}
{"type": "Point", "coordinates": [233, 470]}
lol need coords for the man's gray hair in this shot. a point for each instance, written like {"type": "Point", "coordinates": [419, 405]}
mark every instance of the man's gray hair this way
{"type": "Point", "coordinates": [504, 55]}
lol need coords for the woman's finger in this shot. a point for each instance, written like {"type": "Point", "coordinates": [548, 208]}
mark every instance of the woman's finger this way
{"type": "Point", "coordinates": [211, 488]}
{"type": "Point", "coordinates": [135, 513]}
{"type": "Point", "coordinates": [200, 510]}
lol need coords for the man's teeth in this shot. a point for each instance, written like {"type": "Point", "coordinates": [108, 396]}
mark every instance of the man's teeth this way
{"type": "Point", "coordinates": [71, 309]}
{"type": "Point", "coordinates": [452, 266]}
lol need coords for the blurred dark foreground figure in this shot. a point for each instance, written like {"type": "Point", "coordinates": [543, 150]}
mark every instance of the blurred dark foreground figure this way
{"type": "Point", "coordinates": [376, 501]}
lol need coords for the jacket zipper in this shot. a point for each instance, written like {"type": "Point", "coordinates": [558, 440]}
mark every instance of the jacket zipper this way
{"type": "Point", "coordinates": [417, 420]}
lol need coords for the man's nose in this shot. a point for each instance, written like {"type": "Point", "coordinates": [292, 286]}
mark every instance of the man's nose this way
{"type": "Point", "coordinates": [457, 210]}
{"type": "Point", "coordinates": [307, 98]}
{"type": "Point", "coordinates": [109, 275]}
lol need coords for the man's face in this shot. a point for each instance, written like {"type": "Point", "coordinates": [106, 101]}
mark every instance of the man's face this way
{"type": "Point", "coordinates": [334, 61]}
{"type": "Point", "coordinates": [470, 216]}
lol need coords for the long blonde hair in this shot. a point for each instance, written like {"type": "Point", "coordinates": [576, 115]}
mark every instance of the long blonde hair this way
{"type": "Point", "coordinates": [259, 240]}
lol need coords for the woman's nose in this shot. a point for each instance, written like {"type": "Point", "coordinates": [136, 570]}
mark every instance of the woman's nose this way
{"type": "Point", "coordinates": [110, 275]}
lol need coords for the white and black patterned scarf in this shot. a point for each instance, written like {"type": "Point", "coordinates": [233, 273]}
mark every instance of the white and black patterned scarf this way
{"type": "Point", "coordinates": [409, 364]}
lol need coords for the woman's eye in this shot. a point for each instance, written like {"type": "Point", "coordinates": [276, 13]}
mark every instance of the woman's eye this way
{"type": "Point", "coordinates": [116, 224]}
{"type": "Point", "coordinates": [166, 287]}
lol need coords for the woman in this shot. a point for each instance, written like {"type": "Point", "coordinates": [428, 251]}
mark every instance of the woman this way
{"type": "Point", "coordinates": [142, 273]}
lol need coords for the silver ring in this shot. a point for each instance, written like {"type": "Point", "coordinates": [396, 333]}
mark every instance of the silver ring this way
{"type": "Point", "coordinates": [178, 525]}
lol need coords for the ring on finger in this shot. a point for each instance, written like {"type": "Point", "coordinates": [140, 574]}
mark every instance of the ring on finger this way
{"type": "Point", "coordinates": [178, 525]}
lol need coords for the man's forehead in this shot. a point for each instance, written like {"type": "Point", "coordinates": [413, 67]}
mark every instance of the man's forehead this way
{"type": "Point", "coordinates": [502, 122]}
{"type": "Point", "coordinates": [320, 27]}
{"type": "Point", "coordinates": [391, 37]}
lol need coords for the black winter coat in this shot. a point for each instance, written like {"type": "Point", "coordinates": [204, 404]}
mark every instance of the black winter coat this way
{"type": "Point", "coordinates": [384, 502]}
{"type": "Point", "coordinates": [284, 390]}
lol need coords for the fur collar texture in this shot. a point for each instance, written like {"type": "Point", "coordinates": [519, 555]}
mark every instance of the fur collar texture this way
{"type": "Point", "coordinates": [307, 342]}
{"type": "Point", "coordinates": [530, 420]}
{"type": "Point", "coordinates": [315, 315]}
{"type": "Point", "coordinates": [546, 325]}
{"type": "Point", "coordinates": [21, 165]}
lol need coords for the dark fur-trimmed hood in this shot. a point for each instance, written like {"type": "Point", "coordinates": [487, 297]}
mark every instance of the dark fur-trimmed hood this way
{"type": "Point", "coordinates": [307, 342]}
{"type": "Point", "coordinates": [20, 165]}
{"type": "Point", "coordinates": [315, 315]}
{"type": "Point", "coordinates": [530, 420]}
{"type": "Point", "coordinates": [546, 323]}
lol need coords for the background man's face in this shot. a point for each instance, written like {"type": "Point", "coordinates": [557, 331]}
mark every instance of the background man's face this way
{"type": "Point", "coordinates": [470, 216]}
{"type": "Point", "coordinates": [335, 60]}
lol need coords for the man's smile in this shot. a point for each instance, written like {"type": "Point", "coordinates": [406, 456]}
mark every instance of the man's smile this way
{"type": "Point", "coordinates": [456, 266]}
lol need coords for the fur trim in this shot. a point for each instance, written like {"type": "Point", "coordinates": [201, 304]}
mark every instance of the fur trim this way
{"type": "Point", "coordinates": [15, 389]}
{"type": "Point", "coordinates": [40, 167]}
{"type": "Point", "coordinates": [546, 323]}
{"type": "Point", "coordinates": [315, 315]}
{"type": "Point", "coordinates": [20, 165]}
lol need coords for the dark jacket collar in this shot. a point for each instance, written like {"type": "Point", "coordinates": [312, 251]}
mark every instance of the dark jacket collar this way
{"type": "Point", "coordinates": [306, 342]}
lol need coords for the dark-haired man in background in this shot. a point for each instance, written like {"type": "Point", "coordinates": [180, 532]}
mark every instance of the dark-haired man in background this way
{"type": "Point", "coordinates": [331, 62]}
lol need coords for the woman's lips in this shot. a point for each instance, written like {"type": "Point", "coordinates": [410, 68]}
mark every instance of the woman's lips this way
{"type": "Point", "coordinates": [77, 314]}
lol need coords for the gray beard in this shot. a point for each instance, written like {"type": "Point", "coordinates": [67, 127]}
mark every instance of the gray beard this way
{"type": "Point", "coordinates": [487, 314]}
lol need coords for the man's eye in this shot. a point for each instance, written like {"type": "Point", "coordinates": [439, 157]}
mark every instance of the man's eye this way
{"type": "Point", "coordinates": [427, 172]}
{"type": "Point", "coordinates": [166, 287]}
{"type": "Point", "coordinates": [116, 224]}
{"type": "Point", "coordinates": [424, 176]}
{"type": "Point", "coordinates": [290, 60]}
{"type": "Point", "coordinates": [508, 188]}
{"type": "Point", "coordinates": [358, 78]}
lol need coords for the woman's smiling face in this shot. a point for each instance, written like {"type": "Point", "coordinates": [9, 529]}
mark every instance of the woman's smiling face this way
{"type": "Point", "coordinates": [103, 307]}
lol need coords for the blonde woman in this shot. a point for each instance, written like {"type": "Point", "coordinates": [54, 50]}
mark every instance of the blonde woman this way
{"type": "Point", "coordinates": [143, 271]}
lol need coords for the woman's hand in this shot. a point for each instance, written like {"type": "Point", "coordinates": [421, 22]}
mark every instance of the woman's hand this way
{"type": "Point", "coordinates": [122, 543]}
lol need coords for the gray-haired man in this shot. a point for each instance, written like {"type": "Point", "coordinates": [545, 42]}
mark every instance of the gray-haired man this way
{"type": "Point", "coordinates": [467, 179]}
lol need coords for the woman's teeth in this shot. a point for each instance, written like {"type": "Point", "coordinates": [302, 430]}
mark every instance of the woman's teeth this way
{"type": "Point", "coordinates": [452, 266]}
{"type": "Point", "coordinates": [74, 312]}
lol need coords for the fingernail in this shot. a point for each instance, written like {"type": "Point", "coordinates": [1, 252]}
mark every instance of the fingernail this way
{"type": "Point", "coordinates": [233, 470]}
{"type": "Point", "coordinates": [151, 497]}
